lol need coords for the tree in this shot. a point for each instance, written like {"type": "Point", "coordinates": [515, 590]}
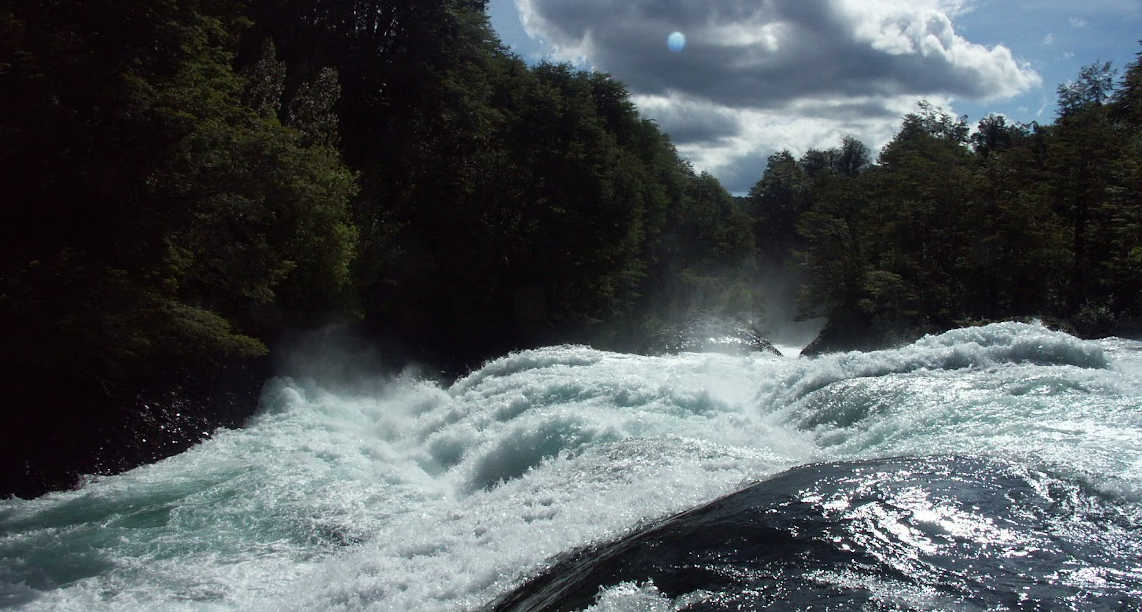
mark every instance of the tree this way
{"type": "Point", "coordinates": [1093, 88]}
{"type": "Point", "coordinates": [1014, 264]}
{"type": "Point", "coordinates": [834, 257]}
{"type": "Point", "coordinates": [1128, 98]}
{"type": "Point", "coordinates": [1084, 148]}
{"type": "Point", "coordinates": [1124, 202]}
{"type": "Point", "coordinates": [164, 215]}
{"type": "Point", "coordinates": [852, 158]}
{"type": "Point", "coordinates": [775, 203]}
{"type": "Point", "coordinates": [994, 134]}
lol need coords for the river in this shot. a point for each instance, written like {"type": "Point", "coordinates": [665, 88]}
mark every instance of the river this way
{"type": "Point", "coordinates": [404, 494]}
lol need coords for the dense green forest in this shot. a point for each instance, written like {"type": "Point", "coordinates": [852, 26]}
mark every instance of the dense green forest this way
{"type": "Point", "coordinates": [952, 226]}
{"type": "Point", "coordinates": [198, 177]}
{"type": "Point", "coordinates": [188, 181]}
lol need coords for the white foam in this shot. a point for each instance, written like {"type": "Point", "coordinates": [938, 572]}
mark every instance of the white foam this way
{"type": "Point", "coordinates": [641, 597]}
{"type": "Point", "coordinates": [421, 497]}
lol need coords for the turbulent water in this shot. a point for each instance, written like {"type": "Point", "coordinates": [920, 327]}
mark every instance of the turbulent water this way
{"type": "Point", "coordinates": [997, 466]}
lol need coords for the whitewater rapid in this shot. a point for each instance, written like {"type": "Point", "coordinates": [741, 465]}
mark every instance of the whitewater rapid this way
{"type": "Point", "coordinates": [405, 494]}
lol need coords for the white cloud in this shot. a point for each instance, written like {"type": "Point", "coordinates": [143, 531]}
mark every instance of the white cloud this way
{"type": "Point", "coordinates": [736, 152]}
{"type": "Point", "coordinates": [924, 29]}
{"type": "Point", "coordinates": [1077, 22]}
{"type": "Point", "coordinates": [1049, 39]}
{"type": "Point", "coordinates": [771, 74]}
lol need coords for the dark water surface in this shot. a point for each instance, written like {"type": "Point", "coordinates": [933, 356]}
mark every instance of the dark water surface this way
{"type": "Point", "coordinates": [948, 533]}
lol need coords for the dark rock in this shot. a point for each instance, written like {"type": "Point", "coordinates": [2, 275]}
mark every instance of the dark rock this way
{"type": "Point", "coordinates": [55, 431]}
{"type": "Point", "coordinates": [714, 335]}
{"type": "Point", "coordinates": [851, 333]}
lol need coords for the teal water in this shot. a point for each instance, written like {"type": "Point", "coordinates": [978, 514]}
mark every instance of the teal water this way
{"type": "Point", "coordinates": [403, 494]}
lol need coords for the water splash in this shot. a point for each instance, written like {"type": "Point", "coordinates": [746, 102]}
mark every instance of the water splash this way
{"type": "Point", "coordinates": [417, 496]}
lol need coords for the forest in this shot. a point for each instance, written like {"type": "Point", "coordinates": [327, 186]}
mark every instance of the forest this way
{"type": "Point", "coordinates": [950, 226]}
{"type": "Point", "coordinates": [191, 182]}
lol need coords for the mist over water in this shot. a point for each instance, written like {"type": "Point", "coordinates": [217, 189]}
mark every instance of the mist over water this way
{"type": "Point", "coordinates": [414, 495]}
{"type": "Point", "coordinates": [782, 323]}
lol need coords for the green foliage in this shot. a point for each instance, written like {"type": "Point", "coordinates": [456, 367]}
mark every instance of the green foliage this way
{"type": "Point", "coordinates": [775, 203]}
{"type": "Point", "coordinates": [993, 134]}
{"type": "Point", "coordinates": [1093, 87]}
{"type": "Point", "coordinates": [264, 82]}
{"type": "Point", "coordinates": [1128, 98]}
{"type": "Point", "coordinates": [501, 205]}
{"type": "Point", "coordinates": [164, 206]}
{"type": "Point", "coordinates": [834, 255]}
{"type": "Point", "coordinates": [215, 173]}
{"type": "Point", "coordinates": [1030, 221]}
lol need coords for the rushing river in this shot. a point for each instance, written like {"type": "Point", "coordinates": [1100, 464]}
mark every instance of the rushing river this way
{"type": "Point", "coordinates": [998, 466]}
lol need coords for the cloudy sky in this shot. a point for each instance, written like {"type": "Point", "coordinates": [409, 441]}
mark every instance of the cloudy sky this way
{"type": "Point", "coordinates": [756, 76]}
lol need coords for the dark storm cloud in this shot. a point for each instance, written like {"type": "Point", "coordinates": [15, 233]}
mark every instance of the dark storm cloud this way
{"type": "Point", "coordinates": [689, 126]}
{"type": "Point", "coordinates": [763, 54]}
{"type": "Point", "coordinates": [763, 75]}
{"type": "Point", "coordinates": [846, 110]}
{"type": "Point", "coordinates": [741, 173]}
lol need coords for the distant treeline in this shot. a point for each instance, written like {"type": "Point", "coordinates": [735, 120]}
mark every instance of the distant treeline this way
{"type": "Point", "coordinates": [187, 180]}
{"type": "Point", "coordinates": [951, 226]}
